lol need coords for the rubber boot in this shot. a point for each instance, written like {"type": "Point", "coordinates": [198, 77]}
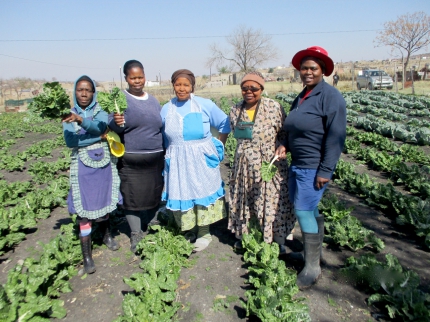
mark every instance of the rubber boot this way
{"type": "Point", "coordinates": [312, 269]}
{"type": "Point", "coordinates": [135, 238]}
{"type": "Point", "coordinates": [89, 266]}
{"type": "Point", "coordinates": [107, 237]}
{"type": "Point", "coordinates": [299, 256]}
{"type": "Point", "coordinates": [320, 222]}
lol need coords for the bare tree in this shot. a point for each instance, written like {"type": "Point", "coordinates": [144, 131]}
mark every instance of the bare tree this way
{"type": "Point", "coordinates": [18, 84]}
{"type": "Point", "coordinates": [408, 34]}
{"type": "Point", "coordinates": [247, 49]}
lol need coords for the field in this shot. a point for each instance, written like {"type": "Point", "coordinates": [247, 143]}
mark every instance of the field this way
{"type": "Point", "coordinates": [376, 247]}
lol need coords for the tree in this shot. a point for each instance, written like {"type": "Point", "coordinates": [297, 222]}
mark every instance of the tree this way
{"type": "Point", "coordinates": [248, 48]}
{"type": "Point", "coordinates": [408, 34]}
{"type": "Point", "coordinates": [223, 70]}
{"type": "Point", "coordinates": [270, 70]}
{"type": "Point", "coordinates": [18, 84]}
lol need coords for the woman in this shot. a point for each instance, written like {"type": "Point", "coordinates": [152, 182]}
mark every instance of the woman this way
{"type": "Point", "coordinates": [250, 196]}
{"type": "Point", "coordinates": [194, 189]}
{"type": "Point", "coordinates": [316, 129]}
{"type": "Point", "coordinates": [94, 183]}
{"type": "Point", "coordinates": [141, 166]}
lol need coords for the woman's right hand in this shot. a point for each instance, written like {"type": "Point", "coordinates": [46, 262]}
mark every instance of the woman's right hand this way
{"type": "Point", "coordinates": [119, 119]}
{"type": "Point", "coordinates": [281, 152]}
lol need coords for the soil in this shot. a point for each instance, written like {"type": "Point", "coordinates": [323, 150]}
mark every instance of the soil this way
{"type": "Point", "coordinates": [219, 272]}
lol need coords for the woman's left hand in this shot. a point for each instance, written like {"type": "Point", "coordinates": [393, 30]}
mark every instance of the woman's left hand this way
{"type": "Point", "coordinates": [281, 152]}
{"type": "Point", "coordinates": [320, 182]}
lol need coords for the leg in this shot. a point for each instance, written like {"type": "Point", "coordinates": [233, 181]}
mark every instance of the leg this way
{"type": "Point", "coordinates": [135, 222]}
{"type": "Point", "coordinates": [85, 238]}
{"type": "Point", "coordinates": [320, 223]}
{"type": "Point", "coordinates": [107, 236]}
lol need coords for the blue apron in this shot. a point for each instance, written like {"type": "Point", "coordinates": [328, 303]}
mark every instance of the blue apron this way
{"type": "Point", "coordinates": [191, 173]}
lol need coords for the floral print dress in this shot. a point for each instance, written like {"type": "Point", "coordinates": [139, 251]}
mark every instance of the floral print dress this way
{"type": "Point", "coordinates": [250, 196]}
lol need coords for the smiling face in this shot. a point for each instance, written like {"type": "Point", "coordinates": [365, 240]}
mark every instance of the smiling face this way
{"type": "Point", "coordinates": [135, 79]}
{"type": "Point", "coordinates": [84, 93]}
{"type": "Point", "coordinates": [251, 92]}
{"type": "Point", "coordinates": [182, 88]}
{"type": "Point", "coordinates": [310, 73]}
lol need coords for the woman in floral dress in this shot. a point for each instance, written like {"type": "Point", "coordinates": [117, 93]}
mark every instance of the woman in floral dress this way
{"type": "Point", "coordinates": [250, 196]}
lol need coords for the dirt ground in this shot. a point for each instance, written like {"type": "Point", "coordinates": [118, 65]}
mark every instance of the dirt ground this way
{"type": "Point", "coordinates": [219, 272]}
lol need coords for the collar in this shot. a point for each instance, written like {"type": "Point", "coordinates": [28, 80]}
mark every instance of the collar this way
{"type": "Point", "coordinates": [316, 90]}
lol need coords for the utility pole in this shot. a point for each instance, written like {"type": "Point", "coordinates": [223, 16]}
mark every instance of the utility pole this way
{"type": "Point", "coordinates": [352, 72]}
{"type": "Point", "coordinates": [412, 77]}
{"type": "Point", "coordinates": [120, 76]}
{"type": "Point", "coordinates": [395, 76]}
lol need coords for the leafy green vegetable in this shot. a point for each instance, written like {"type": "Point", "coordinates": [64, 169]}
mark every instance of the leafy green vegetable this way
{"type": "Point", "coordinates": [273, 297]}
{"type": "Point", "coordinates": [395, 287]}
{"type": "Point", "coordinates": [268, 170]}
{"type": "Point", "coordinates": [114, 102]}
{"type": "Point", "coordinates": [52, 103]}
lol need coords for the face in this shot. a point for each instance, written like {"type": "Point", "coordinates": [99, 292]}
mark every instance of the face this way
{"type": "Point", "coordinates": [84, 93]}
{"type": "Point", "coordinates": [310, 73]}
{"type": "Point", "coordinates": [251, 92]}
{"type": "Point", "coordinates": [182, 88]}
{"type": "Point", "coordinates": [136, 80]}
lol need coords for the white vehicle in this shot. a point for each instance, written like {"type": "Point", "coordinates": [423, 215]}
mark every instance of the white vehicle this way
{"type": "Point", "coordinates": [374, 79]}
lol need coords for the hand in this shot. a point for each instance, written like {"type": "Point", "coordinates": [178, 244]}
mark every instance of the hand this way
{"type": "Point", "coordinates": [281, 152]}
{"type": "Point", "coordinates": [72, 117]}
{"type": "Point", "coordinates": [320, 182]}
{"type": "Point", "coordinates": [103, 136]}
{"type": "Point", "coordinates": [119, 119]}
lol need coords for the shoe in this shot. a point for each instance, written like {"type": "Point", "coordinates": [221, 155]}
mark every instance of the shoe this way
{"type": "Point", "coordinates": [238, 245]}
{"type": "Point", "coordinates": [201, 244]}
{"type": "Point", "coordinates": [320, 223]}
{"type": "Point", "coordinates": [135, 238]}
{"type": "Point", "coordinates": [190, 236]}
{"type": "Point", "coordinates": [107, 237]}
{"type": "Point", "coordinates": [312, 270]}
{"type": "Point", "coordinates": [89, 266]}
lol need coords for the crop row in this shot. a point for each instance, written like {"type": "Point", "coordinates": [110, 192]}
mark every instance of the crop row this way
{"type": "Point", "coordinates": [409, 210]}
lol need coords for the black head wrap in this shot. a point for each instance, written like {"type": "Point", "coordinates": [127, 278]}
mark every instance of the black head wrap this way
{"type": "Point", "coordinates": [186, 74]}
{"type": "Point", "coordinates": [86, 78]}
{"type": "Point", "coordinates": [130, 64]}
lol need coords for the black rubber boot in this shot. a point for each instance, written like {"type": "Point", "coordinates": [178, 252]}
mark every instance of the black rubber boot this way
{"type": "Point", "coordinates": [107, 236]}
{"type": "Point", "coordinates": [320, 223]}
{"type": "Point", "coordinates": [312, 269]}
{"type": "Point", "coordinates": [89, 266]}
{"type": "Point", "coordinates": [135, 238]}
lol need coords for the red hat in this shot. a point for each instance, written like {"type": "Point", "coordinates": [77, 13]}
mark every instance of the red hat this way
{"type": "Point", "coordinates": [314, 51]}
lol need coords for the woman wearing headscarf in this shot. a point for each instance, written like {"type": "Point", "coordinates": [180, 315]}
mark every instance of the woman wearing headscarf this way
{"type": "Point", "coordinates": [316, 131]}
{"type": "Point", "coordinates": [194, 189]}
{"type": "Point", "coordinates": [250, 196]}
{"type": "Point", "coordinates": [94, 182]}
{"type": "Point", "coordinates": [141, 167]}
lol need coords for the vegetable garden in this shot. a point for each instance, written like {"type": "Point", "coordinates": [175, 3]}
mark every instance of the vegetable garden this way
{"type": "Point", "coordinates": [377, 243]}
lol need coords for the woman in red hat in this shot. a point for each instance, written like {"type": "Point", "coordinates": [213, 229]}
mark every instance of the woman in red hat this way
{"type": "Point", "coordinates": [316, 128]}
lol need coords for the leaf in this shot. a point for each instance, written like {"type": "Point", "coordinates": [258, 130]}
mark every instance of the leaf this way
{"type": "Point", "coordinates": [268, 171]}
{"type": "Point", "coordinates": [114, 102]}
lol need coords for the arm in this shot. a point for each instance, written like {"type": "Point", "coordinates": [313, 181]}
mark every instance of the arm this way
{"type": "Point", "coordinates": [219, 119]}
{"type": "Point", "coordinates": [115, 120]}
{"type": "Point", "coordinates": [335, 134]}
{"type": "Point", "coordinates": [96, 127]}
{"type": "Point", "coordinates": [78, 140]}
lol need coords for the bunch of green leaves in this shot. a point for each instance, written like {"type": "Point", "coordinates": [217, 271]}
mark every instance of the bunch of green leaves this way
{"type": "Point", "coordinates": [230, 148]}
{"type": "Point", "coordinates": [268, 171]}
{"type": "Point", "coordinates": [164, 254]}
{"type": "Point", "coordinates": [391, 286]}
{"type": "Point", "coordinates": [344, 229]}
{"type": "Point", "coordinates": [52, 103]}
{"type": "Point", "coordinates": [43, 172]}
{"type": "Point", "coordinates": [273, 297]}
{"type": "Point", "coordinates": [32, 289]}
{"type": "Point", "coordinates": [114, 102]}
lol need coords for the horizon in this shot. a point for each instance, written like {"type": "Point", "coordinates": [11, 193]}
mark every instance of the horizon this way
{"type": "Point", "coordinates": [97, 38]}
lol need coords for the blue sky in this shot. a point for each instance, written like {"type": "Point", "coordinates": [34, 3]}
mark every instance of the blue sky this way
{"type": "Point", "coordinates": [294, 25]}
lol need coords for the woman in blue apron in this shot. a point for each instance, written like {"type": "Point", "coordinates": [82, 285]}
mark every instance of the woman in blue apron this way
{"type": "Point", "coordinates": [94, 182]}
{"type": "Point", "coordinates": [193, 186]}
